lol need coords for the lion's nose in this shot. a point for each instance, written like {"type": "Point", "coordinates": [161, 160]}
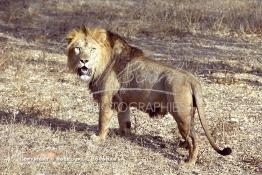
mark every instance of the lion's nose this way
{"type": "Point", "coordinates": [83, 61]}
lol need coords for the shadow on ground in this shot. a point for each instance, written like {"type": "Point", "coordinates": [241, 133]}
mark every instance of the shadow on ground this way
{"type": "Point", "coordinates": [33, 119]}
{"type": "Point", "coordinates": [155, 143]}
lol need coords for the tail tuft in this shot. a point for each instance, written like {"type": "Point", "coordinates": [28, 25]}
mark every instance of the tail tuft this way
{"type": "Point", "coordinates": [225, 151]}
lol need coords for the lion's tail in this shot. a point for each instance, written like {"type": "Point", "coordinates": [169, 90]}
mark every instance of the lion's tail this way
{"type": "Point", "coordinates": [197, 95]}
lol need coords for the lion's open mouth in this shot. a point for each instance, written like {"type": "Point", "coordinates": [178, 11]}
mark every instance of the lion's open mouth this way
{"type": "Point", "coordinates": [84, 71]}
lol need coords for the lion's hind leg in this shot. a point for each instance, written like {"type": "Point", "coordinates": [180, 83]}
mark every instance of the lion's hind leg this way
{"type": "Point", "coordinates": [193, 136]}
{"type": "Point", "coordinates": [183, 112]}
{"type": "Point", "coordinates": [124, 121]}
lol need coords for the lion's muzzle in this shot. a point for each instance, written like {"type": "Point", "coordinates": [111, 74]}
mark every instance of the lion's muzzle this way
{"type": "Point", "coordinates": [84, 73]}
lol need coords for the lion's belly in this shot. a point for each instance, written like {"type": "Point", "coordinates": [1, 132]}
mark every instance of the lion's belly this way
{"type": "Point", "coordinates": [153, 103]}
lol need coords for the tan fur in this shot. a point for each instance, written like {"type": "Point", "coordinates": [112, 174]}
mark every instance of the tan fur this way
{"type": "Point", "coordinates": [125, 78]}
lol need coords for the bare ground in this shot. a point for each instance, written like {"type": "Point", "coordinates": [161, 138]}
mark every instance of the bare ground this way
{"type": "Point", "coordinates": [47, 114]}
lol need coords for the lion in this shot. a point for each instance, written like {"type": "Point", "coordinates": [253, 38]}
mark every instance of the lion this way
{"type": "Point", "coordinates": [120, 76]}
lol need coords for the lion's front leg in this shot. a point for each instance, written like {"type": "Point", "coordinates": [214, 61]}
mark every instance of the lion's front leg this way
{"type": "Point", "coordinates": [105, 115]}
{"type": "Point", "coordinates": [124, 121]}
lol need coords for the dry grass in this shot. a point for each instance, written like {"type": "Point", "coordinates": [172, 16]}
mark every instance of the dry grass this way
{"type": "Point", "coordinates": [134, 18]}
{"type": "Point", "coordinates": [47, 115]}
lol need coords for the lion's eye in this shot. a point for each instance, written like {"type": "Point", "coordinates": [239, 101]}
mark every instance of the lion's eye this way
{"type": "Point", "coordinates": [92, 49]}
{"type": "Point", "coordinates": [77, 50]}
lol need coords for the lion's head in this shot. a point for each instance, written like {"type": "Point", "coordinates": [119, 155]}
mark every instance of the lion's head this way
{"type": "Point", "coordinates": [88, 51]}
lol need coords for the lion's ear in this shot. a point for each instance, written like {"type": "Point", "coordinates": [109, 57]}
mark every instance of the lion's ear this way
{"type": "Point", "coordinates": [100, 35]}
{"type": "Point", "coordinates": [70, 36]}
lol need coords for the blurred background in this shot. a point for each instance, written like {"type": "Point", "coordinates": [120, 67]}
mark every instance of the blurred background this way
{"type": "Point", "coordinates": [51, 19]}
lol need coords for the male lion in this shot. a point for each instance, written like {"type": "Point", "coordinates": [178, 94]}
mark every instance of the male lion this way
{"type": "Point", "coordinates": [120, 77]}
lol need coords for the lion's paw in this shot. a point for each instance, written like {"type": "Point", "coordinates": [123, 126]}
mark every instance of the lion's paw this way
{"type": "Point", "coordinates": [96, 139]}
